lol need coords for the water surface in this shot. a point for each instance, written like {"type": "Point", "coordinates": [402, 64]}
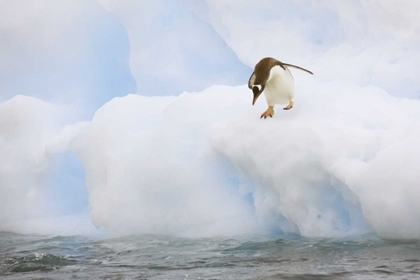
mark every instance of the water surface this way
{"type": "Point", "coordinates": [164, 257]}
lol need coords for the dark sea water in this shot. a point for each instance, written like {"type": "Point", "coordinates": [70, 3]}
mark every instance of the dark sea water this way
{"type": "Point", "coordinates": [163, 257]}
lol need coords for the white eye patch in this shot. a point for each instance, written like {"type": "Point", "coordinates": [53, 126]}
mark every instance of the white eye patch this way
{"type": "Point", "coordinates": [258, 86]}
{"type": "Point", "coordinates": [251, 81]}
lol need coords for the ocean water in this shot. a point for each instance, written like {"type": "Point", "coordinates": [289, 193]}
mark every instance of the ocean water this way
{"type": "Point", "coordinates": [165, 257]}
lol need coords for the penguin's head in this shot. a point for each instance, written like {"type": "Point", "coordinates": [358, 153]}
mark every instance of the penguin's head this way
{"type": "Point", "coordinates": [257, 90]}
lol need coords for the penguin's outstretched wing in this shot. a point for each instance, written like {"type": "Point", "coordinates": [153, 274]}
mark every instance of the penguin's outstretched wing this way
{"type": "Point", "coordinates": [281, 64]}
{"type": "Point", "coordinates": [251, 81]}
{"type": "Point", "coordinates": [298, 67]}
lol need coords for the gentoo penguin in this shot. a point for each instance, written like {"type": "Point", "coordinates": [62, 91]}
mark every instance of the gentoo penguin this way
{"type": "Point", "coordinates": [274, 79]}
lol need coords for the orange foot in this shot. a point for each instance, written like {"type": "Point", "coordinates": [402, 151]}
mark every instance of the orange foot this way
{"type": "Point", "coordinates": [268, 113]}
{"type": "Point", "coordinates": [290, 106]}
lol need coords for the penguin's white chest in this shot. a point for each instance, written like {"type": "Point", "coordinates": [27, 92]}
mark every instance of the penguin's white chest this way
{"type": "Point", "coordinates": [280, 86]}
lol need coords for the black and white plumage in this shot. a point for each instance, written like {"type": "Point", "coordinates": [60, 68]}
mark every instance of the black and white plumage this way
{"type": "Point", "coordinates": [273, 78]}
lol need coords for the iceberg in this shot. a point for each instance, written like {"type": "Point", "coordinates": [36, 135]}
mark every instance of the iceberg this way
{"type": "Point", "coordinates": [204, 164]}
{"type": "Point", "coordinates": [185, 153]}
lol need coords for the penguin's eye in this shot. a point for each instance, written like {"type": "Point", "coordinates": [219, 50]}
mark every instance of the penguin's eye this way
{"type": "Point", "coordinates": [258, 87]}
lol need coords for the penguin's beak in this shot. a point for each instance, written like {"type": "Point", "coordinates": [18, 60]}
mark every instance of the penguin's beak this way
{"type": "Point", "coordinates": [257, 93]}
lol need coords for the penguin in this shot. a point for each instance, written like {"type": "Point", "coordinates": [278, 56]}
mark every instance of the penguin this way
{"type": "Point", "coordinates": [273, 77]}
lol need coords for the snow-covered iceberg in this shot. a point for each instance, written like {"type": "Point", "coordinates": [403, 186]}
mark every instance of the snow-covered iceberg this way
{"type": "Point", "coordinates": [342, 162]}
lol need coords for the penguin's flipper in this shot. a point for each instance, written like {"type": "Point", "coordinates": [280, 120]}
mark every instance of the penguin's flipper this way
{"type": "Point", "coordinates": [282, 66]}
{"type": "Point", "coordinates": [298, 67]}
{"type": "Point", "coordinates": [251, 81]}
{"type": "Point", "coordinates": [279, 63]}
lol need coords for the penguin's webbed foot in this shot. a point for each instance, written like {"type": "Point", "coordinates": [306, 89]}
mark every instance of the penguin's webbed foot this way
{"type": "Point", "coordinates": [289, 106]}
{"type": "Point", "coordinates": [268, 113]}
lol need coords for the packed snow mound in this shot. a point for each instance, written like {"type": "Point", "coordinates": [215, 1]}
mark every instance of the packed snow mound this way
{"type": "Point", "coordinates": [150, 169]}
{"type": "Point", "coordinates": [341, 149]}
{"type": "Point", "coordinates": [342, 162]}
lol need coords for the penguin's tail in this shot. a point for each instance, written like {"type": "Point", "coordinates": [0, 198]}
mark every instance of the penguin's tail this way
{"type": "Point", "coordinates": [298, 67]}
